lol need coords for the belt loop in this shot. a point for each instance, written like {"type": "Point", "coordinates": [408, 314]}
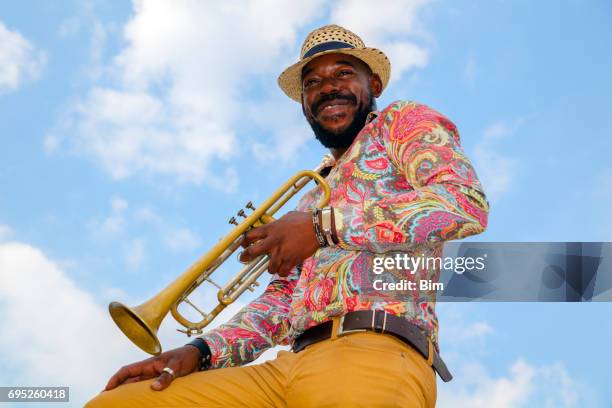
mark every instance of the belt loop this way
{"type": "Point", "coordinates": [373, 319]}
{"type": "Point", "coordinates": [384, 322]}
{"type": "Point", "coordinates": [430, 352]}
{"type": "Point", "coordinates": [336, 324]}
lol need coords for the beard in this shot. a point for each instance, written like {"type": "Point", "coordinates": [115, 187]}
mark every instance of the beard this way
{"type": "Point", "coordinates": [344, 138]}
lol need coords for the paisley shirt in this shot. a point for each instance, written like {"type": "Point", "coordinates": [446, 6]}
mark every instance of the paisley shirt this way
{"type": "Point", "coordinates": [404, 186]}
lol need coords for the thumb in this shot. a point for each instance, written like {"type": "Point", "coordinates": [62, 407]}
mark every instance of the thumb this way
{"type": "Point", "coordinates": [166, 377]}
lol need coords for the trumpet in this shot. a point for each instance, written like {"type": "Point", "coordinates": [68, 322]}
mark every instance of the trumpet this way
{"type": "Point", "coordinates": [141, 323]}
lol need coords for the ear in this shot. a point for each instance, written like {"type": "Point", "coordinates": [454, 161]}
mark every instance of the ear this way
{"type": "Point", "coordinates": [376, 85]}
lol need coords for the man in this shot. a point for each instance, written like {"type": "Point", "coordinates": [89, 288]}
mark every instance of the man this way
{"type": "Point", "coordinates": [400, 185]}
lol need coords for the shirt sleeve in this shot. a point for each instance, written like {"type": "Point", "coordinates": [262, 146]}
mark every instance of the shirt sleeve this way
{"type": "Point", "coordinates": [438, 199]}
{"type": "Point", "coordinates": [261, 324]}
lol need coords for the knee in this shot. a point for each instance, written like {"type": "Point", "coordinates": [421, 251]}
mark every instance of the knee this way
{"type": "Point", "coordinates": [134, 395]}
{"type": "Point", "coordinates": [116, 398]}
{"type": "Point", "coordinates": [101, 400]}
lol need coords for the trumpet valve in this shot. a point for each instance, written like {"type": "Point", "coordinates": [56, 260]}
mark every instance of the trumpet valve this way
{"type": "Point", "coordinates": [242, 214]}
{"type": "Point", "coordinates": [250, 206]}
{"type": "Point", "coordinates": [233, 221]}
{"type": "Point", "coordinates": [253, 286]}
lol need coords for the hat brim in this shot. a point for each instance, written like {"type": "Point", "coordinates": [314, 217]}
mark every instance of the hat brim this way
{"type": "Point", "coordinates": [290, 80]}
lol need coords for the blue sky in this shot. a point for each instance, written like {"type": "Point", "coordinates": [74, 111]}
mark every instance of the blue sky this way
{"type": "Point", "coordinates": [131, 132]}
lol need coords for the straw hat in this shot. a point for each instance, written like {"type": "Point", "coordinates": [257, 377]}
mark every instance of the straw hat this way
{"type": "Point", "coordinates": [332, 39]}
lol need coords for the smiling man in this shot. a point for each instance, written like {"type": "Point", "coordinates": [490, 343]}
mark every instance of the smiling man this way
{"type": "Point", "coordinates": [401, 184]}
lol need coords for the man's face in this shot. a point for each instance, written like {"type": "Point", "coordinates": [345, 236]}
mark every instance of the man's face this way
{"type": "Point", "coordinates": [338, 92]}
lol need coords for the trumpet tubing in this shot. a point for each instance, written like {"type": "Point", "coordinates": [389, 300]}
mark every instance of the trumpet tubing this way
{"type": "Point", "coordinates": [141, 323]}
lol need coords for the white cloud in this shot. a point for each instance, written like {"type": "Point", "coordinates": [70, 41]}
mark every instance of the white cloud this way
{"type": "Point", "coordinates": [19, 59]}
{"type": "Point", "coordinates": [474, 388]}
{"type": "Point", "coordinates": [53, 332]}
{"type": "Point", "coordinates": [523, 386]}
{"type": "Point", "coordinates": [178, 88]}
{"type": "Point", "coordinates": [392, 34]}
{"type": "Point", "coordinates": [178, 93]}
{"type": "Point", "coordinates": [405, 56]}
{"type": "Point", "coordinates": [465, 347]}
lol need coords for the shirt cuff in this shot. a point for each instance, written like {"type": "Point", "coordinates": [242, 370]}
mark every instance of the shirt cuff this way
{"type": "Point", "coordinates": [220, 355]}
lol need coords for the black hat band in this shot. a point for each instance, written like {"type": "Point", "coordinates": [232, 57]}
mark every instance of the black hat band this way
{"type": "Point", "coordinates": [331, 45]}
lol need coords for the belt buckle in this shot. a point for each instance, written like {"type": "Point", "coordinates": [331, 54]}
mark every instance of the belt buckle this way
{"type": "Point", "coordinates": [342, 332]}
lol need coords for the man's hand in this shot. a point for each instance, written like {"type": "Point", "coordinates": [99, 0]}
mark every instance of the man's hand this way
{"type": "Point", "coordinates": [183, 360]}
{"type": "Point", "coordinates": [289, 240]}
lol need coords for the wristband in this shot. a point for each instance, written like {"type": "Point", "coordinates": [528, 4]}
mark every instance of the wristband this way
{"type": "Point", "coordinates": [326, 220]}
{"type": "Point", "coordinates": [317, 227]}
{"type": "Point", "coordinates": [205, 352]}
{"type": "Point", "coordinates": [334, 233]}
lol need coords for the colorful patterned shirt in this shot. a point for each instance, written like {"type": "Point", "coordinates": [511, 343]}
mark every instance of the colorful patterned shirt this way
{"type": "Point", "coordinates": [404, 186]}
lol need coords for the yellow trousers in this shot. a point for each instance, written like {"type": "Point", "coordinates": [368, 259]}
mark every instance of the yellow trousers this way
{"type": "Point", "coordinates": [356, 370]}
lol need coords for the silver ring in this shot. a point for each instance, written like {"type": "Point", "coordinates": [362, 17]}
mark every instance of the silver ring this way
{"type": "Point", "coordinates": [169, 371]}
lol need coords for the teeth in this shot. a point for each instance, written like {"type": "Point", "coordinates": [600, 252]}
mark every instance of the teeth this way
{"type": "Point", "coordinates": [330, 106]}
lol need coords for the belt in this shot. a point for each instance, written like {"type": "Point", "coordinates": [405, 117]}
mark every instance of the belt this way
{"type": "Point", "coordinates": [381, 322]}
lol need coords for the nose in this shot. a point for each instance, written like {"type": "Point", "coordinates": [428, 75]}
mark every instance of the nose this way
{"type": "Point", "coordinates": [329, 86]}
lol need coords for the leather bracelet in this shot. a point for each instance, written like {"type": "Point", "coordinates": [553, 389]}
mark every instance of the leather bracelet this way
{"type": "Point", "coordinates": [334, 233]}
{"type": "Point", "coordinates": [205, 353]}
{"type": "Point", "coordinates": [317, 226]}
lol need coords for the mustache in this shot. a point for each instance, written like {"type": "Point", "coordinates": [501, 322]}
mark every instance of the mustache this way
{"type": "Point", "coordinates": [326, 98]}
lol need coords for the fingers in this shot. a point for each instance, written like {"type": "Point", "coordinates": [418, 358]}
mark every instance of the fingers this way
{"type": "Point", "coordinates": [165, 378]}
{"type": "Point", "coordinates": [130, 371]}
{"type": "Point", "coordinates": [281, 266]}
{"type": "Point", "coordinates": [254, 250]}
{"type": "Point", "coordinates": [275, 262]}
{"type": "Point", "coordinates": [285, 268]}
{"type": "Point", "coordinates": [133, 379]}
{"type": "Point", "coordinates": [254, 235]}
{"type": "Point", "coordinates": [180, 361]}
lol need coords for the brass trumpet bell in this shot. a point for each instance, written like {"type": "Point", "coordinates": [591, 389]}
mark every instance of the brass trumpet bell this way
{"type": "Point", "coordinates": [139, 325]}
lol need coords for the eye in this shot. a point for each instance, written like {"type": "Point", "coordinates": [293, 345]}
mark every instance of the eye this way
{"type": "Point", "coordinates": [310, 82]}
{"type": "Point", "coordinates": [345, 72]}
